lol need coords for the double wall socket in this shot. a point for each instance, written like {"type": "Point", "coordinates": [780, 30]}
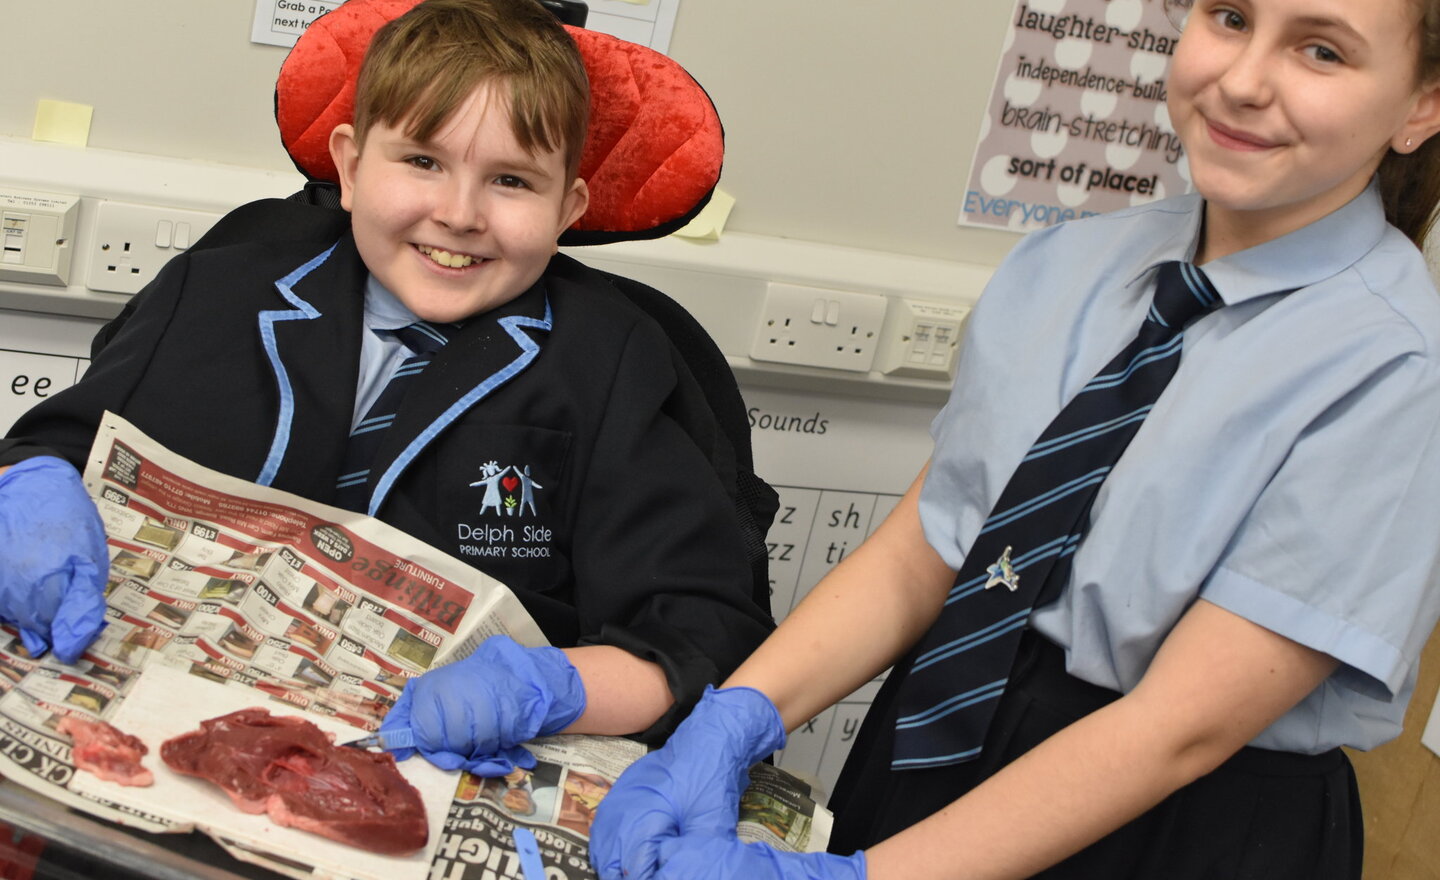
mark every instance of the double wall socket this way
{"type": "Point", "coordinates": [815, 327]}
{"type": "Point", "coordinates": [130, 243]}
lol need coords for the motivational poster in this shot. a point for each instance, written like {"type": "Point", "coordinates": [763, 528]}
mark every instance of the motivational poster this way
{"type": "Point", "coordinates": [1076, 123]}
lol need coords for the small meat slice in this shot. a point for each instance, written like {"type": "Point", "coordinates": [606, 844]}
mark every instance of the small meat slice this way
{"type": "Point", "coordinates": [289, 768]}
{"type": "Point", "coordinates": [100, 748]}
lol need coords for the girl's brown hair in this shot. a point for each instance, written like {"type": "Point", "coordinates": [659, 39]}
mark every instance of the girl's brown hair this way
{"type": "Point", "coordinates": [1410, 182]}
{"type": "Point", "coordinates": [421, 67]}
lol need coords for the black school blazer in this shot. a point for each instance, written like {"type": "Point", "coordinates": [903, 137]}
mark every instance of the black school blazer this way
{"type": "Point", "coordinates": [557, 443]}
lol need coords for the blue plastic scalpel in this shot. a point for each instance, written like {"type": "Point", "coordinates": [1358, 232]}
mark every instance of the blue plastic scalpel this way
{"type": "Point", "coordinates": [392, 739]}
{"type": "Point", "coordinates": [529, 851]}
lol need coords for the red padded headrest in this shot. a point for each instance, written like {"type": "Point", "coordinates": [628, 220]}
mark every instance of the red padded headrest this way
{"type": "Point", "coordinates": [652, 154]}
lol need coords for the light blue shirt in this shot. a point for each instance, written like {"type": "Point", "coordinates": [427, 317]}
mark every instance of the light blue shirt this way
{"type": "Point", "coordinates": [380, 353]}
{"type": "Point", "coordinates": [1290, 473]}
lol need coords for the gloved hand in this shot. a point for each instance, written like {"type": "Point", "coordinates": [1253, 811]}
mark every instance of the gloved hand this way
{"type": "Point", "coordinates": [705, 857]}
{"type": "Point", "coordinates": [53, 561]}
{"type": "Point", "coordinates": [474, 713]}
{"type": "Point", "coordinates": [691, 785]}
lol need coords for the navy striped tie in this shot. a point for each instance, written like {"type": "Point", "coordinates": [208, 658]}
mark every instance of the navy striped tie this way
{"type": "Point", "coordinates": [959, 670]}
{"type": "Point", "coordinates": [352, 489]}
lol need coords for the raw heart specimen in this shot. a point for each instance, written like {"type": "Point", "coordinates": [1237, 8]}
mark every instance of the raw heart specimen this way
{"type": "Point", "coordinates": [287, 767]}
{"type": "Point", "coordinates": [101, 749]}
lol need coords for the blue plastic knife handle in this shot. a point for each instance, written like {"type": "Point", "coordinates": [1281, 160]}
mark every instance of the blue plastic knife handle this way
{"type": "Point", "coordinates": [395, 739]}
{"type": "Point", "coordinates": [529, 851]}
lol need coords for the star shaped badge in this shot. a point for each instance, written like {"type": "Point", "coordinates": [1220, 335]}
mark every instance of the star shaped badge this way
{"type": "Point", "coordinates": [1002, 572]}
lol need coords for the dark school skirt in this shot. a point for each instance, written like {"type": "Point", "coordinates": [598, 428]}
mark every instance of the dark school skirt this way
{"type": "Point", "coordinates": [1262, 814]}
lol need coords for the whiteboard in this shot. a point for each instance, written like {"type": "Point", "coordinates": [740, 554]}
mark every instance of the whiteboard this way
{"type": "Point", "coordinates": [840, 465]}
{"type": "Point", "coordinates": [39, 355]}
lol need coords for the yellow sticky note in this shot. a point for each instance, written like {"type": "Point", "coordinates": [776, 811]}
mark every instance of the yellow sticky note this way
{"type": "Point", "coordinates": [62, 122]}
{"type": "Point", "coordinates": [710, 222]}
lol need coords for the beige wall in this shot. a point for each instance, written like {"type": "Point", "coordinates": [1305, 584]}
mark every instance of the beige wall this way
{"type": "Point", "coordinates": [847, 123]}
{"type": "Point", "coordinates": [169, 78]}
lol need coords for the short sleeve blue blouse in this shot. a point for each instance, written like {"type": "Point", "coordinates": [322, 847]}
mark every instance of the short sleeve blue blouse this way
{"type": "Point", "coordinates": [1290, 473]}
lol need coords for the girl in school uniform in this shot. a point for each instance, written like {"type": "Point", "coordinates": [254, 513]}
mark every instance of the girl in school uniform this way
{"type": "Point", "coordinates": [1257, 577]}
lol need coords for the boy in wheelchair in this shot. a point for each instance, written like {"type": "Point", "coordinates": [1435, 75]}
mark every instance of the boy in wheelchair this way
{"type": "Point", "coordinates": [270, 359]}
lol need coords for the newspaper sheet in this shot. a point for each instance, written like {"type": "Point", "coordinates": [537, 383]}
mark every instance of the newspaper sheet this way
{"type": "Point", "coordinates": [271, 599]}
{"type": "Point", "coordinates": [556, 800]}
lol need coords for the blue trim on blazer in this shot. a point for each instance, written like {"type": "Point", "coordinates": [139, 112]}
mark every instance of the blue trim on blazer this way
{"type": "Point", "coordinates": [302, 311]}
{"type": "Point", "coordinates": [529, 349]}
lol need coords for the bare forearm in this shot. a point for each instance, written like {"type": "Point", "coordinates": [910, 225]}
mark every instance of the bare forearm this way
{"type": "Point", "coordinates": [1070, 791]}
{"type": "Point", "coordinates": [1195, 708]}
{"type": "Point", "coordinates": [856, 622]}
{"type": "Point", "coordinates": [623, 693]}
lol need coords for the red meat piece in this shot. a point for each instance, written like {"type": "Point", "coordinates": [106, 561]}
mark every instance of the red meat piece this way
{"type": "Point", "coordinates": [289, 768]}
{"type": "Point", "coordinates": [107, 752]}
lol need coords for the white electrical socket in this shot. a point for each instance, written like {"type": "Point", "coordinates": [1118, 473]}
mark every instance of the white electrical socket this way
{"type": "Point", "coordinates": [816, 327]}
{"type": "Point", "coordinates": [129, 243]}
{"type": "Point", "coordinates": [922, 340]}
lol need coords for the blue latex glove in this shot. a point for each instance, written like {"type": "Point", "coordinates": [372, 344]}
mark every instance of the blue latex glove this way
{"type": "Point", "coordinates": [691, 785]}
{"type": "Point", "coordinates": [473, 714]}
{"type": "Point", "coordinates": [704, 857]}
{"type": "Point", "coordinates": [53, 561]}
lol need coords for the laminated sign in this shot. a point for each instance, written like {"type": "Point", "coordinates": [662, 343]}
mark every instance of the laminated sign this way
{"type": "Point", "coordinates": [1077, 122]}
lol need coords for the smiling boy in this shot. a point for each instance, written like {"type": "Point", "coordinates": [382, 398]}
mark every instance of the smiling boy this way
{"type": "Point", "coordinates": [258, 359]}
{"type": "Point", "coordinates": [456, 198]}
{"type": "Point", "coordinates": [462, 222]}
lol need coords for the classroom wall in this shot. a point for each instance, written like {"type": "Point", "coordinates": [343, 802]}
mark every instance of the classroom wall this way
{"type": "Point", "coordinates": [167, 78]}
{"type": "Point", "coordinates": [847, 123]}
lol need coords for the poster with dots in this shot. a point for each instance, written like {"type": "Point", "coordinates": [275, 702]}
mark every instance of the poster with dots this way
{"type": "Point", "coordinates": [1077, 123]}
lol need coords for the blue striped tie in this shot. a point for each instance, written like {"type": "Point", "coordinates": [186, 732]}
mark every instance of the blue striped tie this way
{"type": "Point", "coordinates": [1023, 552]}
{"type": "Point", "coordinates": [352, 489]}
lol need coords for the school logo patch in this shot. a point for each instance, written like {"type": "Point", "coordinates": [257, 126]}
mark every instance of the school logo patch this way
{"type": "Point", "coordinates": [509, 491]}
{"type": "Point", "coordinates": [508, 496]}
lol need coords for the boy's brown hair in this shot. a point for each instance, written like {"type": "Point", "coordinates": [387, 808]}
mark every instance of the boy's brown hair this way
{"type": "Point", "coordinates": [421, 67]}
